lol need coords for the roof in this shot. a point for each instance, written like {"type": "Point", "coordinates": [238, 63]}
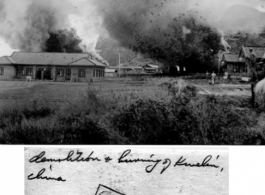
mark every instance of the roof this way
{"type": "Point", "coordinates": [125, 67]}
{"type": "Point", "coordinates": [29, 58]}
{"type": "Point", "coordinates": [131, 67]}
{"type": "Point", "coordinates": [229, 57]}
{"type": "Point", "coordinates": [82, 62]}
{"type": "Point", "coordinates": [259, 51]}
{"type": "Point", "coordinates": [87, 62]}
{"type": "Point", "coordinates": [151, 66]}
{"type": "Point", "coordinates": [6, 60]}
{"type": "Point", "coordinates": [110, 70]}
{"type": "Point", "coordinates": [112, 67]}
{"type": "Point", "coordinates": [96, 62]}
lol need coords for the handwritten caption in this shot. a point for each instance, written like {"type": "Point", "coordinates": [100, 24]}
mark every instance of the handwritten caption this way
{"type": "Point", "coordinates": [125, 157]}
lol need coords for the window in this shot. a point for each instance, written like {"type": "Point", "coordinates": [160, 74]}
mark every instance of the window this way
{"type": "Point", "coordinates": [1, 70]}
{"type": "Point", "coordinates": [21, 71]}
{"type": "Point", "coordinates": [81, 73]}
{"type": "Point", "coordinates": [68, 72]}
{"type": "Point", "coordinates": [94, 72]}
{"type": "Point", "coordinates": [60, 72]}
{"type": "Point", "coordinates": [29, 71]}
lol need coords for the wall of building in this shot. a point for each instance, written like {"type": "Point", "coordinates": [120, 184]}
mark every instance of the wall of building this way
{"type": "Point", "coordinates": [110, 74]}
{"type": "Point", "coordinates": [9, 72]}
{"type": "Point", "coordinates": [91, 73]}
{"type": "Point", "coordinates": [98, 73]}
{"type": "Point", "coordinates": [23, 73]}
{"type": "Point", "coordinates": [235, 68]}
{"type": "Point", "coordinates": [75, 77]}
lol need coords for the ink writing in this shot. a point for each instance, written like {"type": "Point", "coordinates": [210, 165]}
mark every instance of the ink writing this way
{"type": "Point", "coordinates": [40, 176]}
{"type": "Point", "coordinates": [71, 157]}
{"type": "Point", "coordinates": [151, 162]}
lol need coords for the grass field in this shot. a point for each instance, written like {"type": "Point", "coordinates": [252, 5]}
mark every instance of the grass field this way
{"type": "Point", "coordinates": [56, 92]}
{"type": "Point", "coordinates": [99, 111]}
{"type": "Point", "coordinates": [20, 92]}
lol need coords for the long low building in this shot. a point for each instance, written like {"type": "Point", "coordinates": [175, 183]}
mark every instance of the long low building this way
{"type": "Point", "coordinates": [72, 67]}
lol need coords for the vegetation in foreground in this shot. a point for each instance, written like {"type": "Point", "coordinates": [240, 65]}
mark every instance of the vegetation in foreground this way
{"type": "Point", "coordinates": [184, 117]}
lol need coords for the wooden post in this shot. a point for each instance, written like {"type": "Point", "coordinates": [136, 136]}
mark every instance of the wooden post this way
{"type": "Point", "coordinates": [253, 84]}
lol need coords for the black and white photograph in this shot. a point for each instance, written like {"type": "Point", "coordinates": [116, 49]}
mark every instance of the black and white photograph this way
{"type": "Point", "coordinates": [147, 72]}
{"type": "Point", "coordinates": [126, 171]}
{"type": "Point", "coordinates": [132, 97]}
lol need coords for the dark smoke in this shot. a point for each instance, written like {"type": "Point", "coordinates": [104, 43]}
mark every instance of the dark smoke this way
{"type": "Point", "coordinates": [123, 18]}
{"type": "Point", "coordinates": [165, 33]}
{"type": "Point", "coordinates": [63, 41]}
{"type": "Point", "coordinates": [37, 26]}
{"type": "Point", "coordinates": [29, 30]}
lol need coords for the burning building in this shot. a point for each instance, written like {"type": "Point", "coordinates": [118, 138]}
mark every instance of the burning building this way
{"type": "Point", "coordinates": [72, 67]}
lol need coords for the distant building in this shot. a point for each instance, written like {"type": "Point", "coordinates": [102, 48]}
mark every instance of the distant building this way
{"type": "Point", "coordinates": [150, 68]}
{"type": "Point", "coordinates": [72, 67]}
{"type": "Point", "coordinates": [111, 72]}
{"type": "Point", "coordinates": [124, 69]}
{"type": "Point", "coordinates": [230, 63]}
{"type": "Point", "coordinates": [258, 51]}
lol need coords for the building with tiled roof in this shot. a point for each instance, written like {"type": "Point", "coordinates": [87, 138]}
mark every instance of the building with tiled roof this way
{"type": "Point", "coordinates": [231, 63]}
{"type": "Point", "coordinates": [75, 67]}
{"type": "Point", "coordinates": [244, 55]}
{"type": "Point", "coordinates": [258, 51]}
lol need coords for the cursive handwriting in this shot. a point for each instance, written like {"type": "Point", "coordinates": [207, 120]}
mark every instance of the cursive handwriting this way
{"type": "Point", "coordinates": [205, 163]}
{"type": "Point", "coordinates": [151, 161]}
{"type": "Point", "coordinates": [149, 168]}
{"type": "Point", "coordinates": [40, 158]}
{"type": "Point", "coordinates": [165, 162]}
{"type": "Point", "coordinates": [39, 176]}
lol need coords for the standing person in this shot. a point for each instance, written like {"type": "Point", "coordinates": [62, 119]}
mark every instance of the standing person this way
{"type": "Point", "coordinates": [253, 67]}
{"type": "Point", "coordinates": [253, 74]}
{"type": "Point", "coordinates": [213, 75]}
{"type": "Point", "coordinates": [207, 75]}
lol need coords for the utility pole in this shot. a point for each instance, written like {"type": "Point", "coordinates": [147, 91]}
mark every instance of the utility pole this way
{"type": "Point", "coordinates": [119, 65]}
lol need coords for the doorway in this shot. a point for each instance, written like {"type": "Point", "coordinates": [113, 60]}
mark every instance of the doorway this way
{"type": "Point", "coordinates": [43, 74]}
{"type": "Point", "coordinates": [68, 74]}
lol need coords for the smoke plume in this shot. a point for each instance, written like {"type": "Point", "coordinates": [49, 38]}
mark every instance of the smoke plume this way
{"type": "Point", "coordinates": [27, 24]}
{"type": "Point", "coordinates": [122, 17]}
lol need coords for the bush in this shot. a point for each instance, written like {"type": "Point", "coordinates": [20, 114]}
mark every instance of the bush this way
{"type": "Point", "coordinates": [82, 130]}
{"type": "Point", "coordinates": [144, 122]}
{"type": "Point", "coordinates": [211, 121]}
{"type": "Point", "coordinates": [187, 118]}
{"type": "Point", "coordinates": [80, 122]}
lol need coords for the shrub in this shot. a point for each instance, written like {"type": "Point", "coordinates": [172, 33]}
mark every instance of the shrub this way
{"type": "Point", "coordinates": [213, 121]}
{"type": "Point", "coordinates": [185, 118]}
{"type": "Point", "coordinates": [82, 130]}
{"type": "Point", "coordinates": [144, 122]}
